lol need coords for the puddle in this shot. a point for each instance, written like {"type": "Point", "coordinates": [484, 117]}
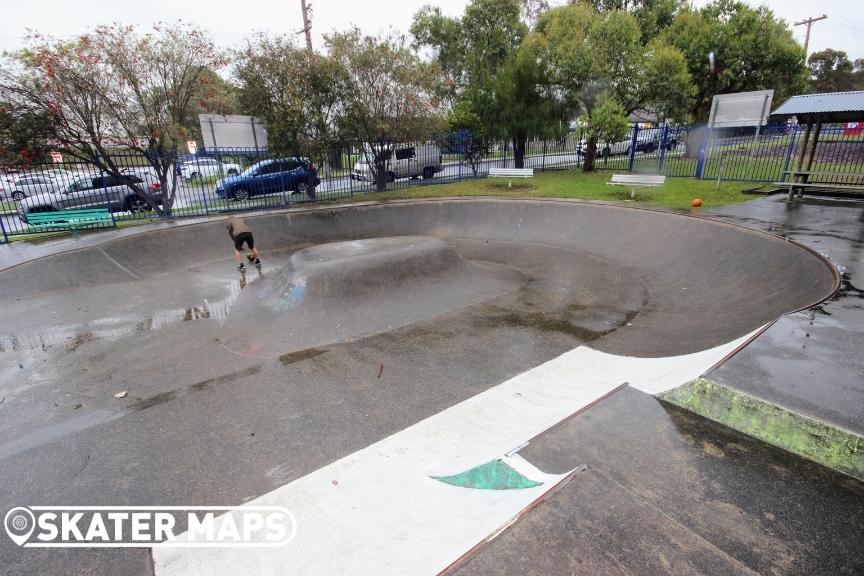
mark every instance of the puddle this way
{"type": "Point", "coordinates": [73, 336]}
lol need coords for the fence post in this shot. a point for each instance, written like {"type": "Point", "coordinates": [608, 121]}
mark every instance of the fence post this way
{"type": "Point", "coordinates": [664, 142]}
{"type": "Point", "coordinates": [632, 160]}
{"type": "Point", "coordinates": [703, 152]}
{"type": "Point", "coordinates": [3, 229]}
{"type": "Point", "coordinates": [790, 150]}
{"type": "Point", "coordinates": [544, 155]}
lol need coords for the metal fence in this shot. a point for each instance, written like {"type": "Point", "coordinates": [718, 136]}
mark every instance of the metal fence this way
{"type": "Point", "coordinates": [233, 180]}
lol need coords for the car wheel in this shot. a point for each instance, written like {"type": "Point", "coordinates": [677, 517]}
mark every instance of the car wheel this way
{"type": "Point", "coordinates": [195, 177]}
{"type": "Point", "coordinates": [241, 194]}
{"type": "Point", "coordinates": [232, 172]}
{"type": "Point", "coordinates": [18, 195]}
{"type": "Point", "coordinates": [137, 204]}
{"type": "Point", "coordinates": [606, 152]}
{"type": "Point", "coordinates": [672, 145]}
{"type": "Point", "coordinates": [428, 172]}
{"type": "Point", "coordinates": [391, 177]}
{"type": "Point", "coordinates": [301, 187]}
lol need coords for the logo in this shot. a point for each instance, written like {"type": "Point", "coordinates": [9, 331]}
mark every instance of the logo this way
{"type": "Point", "coordinates": [149, 526]}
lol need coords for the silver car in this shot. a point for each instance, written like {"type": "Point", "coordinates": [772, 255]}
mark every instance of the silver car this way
{"type": "Point", "coordinates": [34, 184]}
{"type": "Point", "coordinates": [117, 193]}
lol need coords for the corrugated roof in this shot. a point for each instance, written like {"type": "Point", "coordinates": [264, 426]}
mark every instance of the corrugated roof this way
{"type": "Point", "coordinates": [822, 103]}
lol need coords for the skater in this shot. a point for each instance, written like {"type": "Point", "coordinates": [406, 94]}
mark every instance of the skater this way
{"type": "Point", "coordinates": [241, 234]}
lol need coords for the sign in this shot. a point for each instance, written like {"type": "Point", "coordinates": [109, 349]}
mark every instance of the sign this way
{"type": "Point", "coordinates": [56, 157]}
{"type": "Point", "coordinates": [741, 109]}
{"type": "Point", "coordinates": [232, 131]}
{"type": "Point", "coordinates": [853, 129]}
{"type": "Point", "coordinates": [192, 146]}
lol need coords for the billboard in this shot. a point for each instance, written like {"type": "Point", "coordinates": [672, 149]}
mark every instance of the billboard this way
{"type": "Point", "coordinates": [221, 132]}
{"type": "Point", "coordinates": [741, 109]}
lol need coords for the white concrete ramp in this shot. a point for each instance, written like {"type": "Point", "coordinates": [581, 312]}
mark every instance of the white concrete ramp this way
{"type": "Point", "coordinates": [379, 511]}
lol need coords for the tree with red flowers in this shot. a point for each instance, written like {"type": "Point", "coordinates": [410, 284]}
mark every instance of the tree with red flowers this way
{"type": "Point", "coordinates": [115, 87]}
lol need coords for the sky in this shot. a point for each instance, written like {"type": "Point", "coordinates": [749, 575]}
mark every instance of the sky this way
{"type": "Point", "coordinates": [229, 22]}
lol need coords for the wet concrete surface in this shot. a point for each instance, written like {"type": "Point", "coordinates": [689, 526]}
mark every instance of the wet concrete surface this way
{"type": "Point", "coordinates": [201, 425]}
{"type": "Point", "coordinates": [204, 426]}
{"type": "Point", "coordinates": [667, 492]}
{"type": "Point", "coordinates": [811, 362]}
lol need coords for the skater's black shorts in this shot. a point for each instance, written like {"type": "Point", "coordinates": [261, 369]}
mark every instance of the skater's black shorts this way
{"type": "Point", "coordinates": [244, 237]}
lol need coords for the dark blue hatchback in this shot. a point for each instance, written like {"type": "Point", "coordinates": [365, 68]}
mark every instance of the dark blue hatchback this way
{"type": "Point", "coordinates": [297, 175]}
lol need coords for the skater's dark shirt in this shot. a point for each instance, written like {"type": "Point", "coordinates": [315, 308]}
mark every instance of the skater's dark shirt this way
{"type": "Point", "coordinates": [237, 226]}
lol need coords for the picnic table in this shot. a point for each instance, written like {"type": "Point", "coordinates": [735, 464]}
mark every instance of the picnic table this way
{"type": "Point", "coordinates": [839, 182]}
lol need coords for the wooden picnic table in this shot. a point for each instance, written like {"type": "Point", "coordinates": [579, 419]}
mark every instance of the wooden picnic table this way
{"type": "Point", "coordinates": [853, 182]}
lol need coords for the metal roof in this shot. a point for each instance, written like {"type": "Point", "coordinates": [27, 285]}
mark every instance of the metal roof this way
{"type": "Point", "coordinates": [828, 104]}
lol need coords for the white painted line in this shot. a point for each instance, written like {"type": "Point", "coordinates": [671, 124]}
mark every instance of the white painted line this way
{"type": "Point", "coordinates": [378, 511]}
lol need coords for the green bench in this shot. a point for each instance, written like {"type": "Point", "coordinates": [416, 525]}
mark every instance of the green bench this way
{"type": "Point", "coordinates": [71, 220]}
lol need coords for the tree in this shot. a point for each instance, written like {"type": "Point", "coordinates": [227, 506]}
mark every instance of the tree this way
{"type": "Point", "coordinates": [652, 15]}
{"type": "Point", "coordinates": [597, 63]}
{"type": "Point", "coordinates": [115, 87]}
{"type": "Point", "coordinates": [390, 98]}
{"type": "Point", "coordinates": [480, 62]}
{"type": "Point", "coordinates": [471, 134]}
{"type": "Point", "coordinates": [24, 135]}
{"type": "Point", "coordinates": [832, 71]}
{"type": "Point", "coordinates": [214, 95]}
{"type": "Point", "coordinates": [753, 51]}
{"type": "Point", "coordinates": [301, 96]}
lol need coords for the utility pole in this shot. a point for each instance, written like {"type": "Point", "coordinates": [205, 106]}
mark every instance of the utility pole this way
{"type": "Point", "coordinates": [307, 25]}
{"type": "Point", "coordinates": [809, 22]}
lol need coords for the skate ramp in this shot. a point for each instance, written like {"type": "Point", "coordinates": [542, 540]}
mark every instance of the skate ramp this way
{"type": "Point", "coordinates": [707, 282]}
{"type": "Point", "coordinates": [345, 290]}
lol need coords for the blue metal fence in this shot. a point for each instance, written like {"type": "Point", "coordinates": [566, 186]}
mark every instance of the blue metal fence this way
{"type": "Point", "coordinates": [135, 193]}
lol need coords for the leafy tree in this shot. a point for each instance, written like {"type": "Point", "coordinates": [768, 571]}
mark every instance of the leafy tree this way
{"type": "Point", "coordinates": [522, 99]}
{"type": "Point", "coordinates": [214, 95]}
{"type": "Point", "coordinates": [652, 15]}
{"type": "Point", "coordinates": [832, 71]}
{"type": "Point", "coordinates": [753, 50]}
{"type": "Point", "coordinates": [301, 96]}
{"type": "Point", "coordinates": [482, 58]}
{"type": "Point", "coordinates": [473, 137]}
{"type": "Point", "coordinates": [24, 135]}
{"type": "Point", "coordinates": [391, 96]}
{"type": "Point", "coordinates": [116, 87]}
{"type": "Point", "coordinates": [596, 61]}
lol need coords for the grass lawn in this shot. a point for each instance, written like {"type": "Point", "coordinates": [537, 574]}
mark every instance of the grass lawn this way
{"type": "Point", "coordinates": [675, 193]}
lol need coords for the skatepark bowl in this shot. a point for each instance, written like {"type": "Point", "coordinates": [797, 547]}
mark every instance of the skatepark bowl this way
{"type": "Point", "coordinates": [446, 333]}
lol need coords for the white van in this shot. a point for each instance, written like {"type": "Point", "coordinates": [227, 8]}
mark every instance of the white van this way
{"type": "Point", "coordinates": [409, 161]}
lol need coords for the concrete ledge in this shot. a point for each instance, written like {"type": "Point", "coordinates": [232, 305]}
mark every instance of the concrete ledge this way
{"type": "Point", "coordinates": [823, 443]}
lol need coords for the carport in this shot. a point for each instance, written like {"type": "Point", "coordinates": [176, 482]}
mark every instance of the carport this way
{"type": "Point", "coordinates": [814, 111]}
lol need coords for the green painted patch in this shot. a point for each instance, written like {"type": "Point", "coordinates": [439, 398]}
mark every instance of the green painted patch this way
{"type": "Point", "coordinates": [494, 475]}
{"type": "Point", "coordinates": [828, 445]}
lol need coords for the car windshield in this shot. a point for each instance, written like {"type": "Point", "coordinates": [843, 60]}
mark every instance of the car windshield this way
{"type": "Point", "coordinates": [248, 171]}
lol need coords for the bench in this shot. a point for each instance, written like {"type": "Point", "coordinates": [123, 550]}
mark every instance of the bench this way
{"type": "Point", "coordinates": [634, 180]}
{"type": "Point", "coordinates": [511, 173]}
{"type": "Point", "coordinates": [71, 220]}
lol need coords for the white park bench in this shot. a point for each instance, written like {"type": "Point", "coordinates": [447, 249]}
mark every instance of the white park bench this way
{"type": "Point", "coordinates": [633, 181]}
{"type": "Point", "coordinates": [511, 173]}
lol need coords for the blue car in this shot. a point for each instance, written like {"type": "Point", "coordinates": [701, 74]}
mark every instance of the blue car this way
{"type": "Point", "coordinates": [297, 175]}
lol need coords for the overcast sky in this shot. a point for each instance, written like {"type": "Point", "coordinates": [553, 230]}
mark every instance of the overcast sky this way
{"type": "Point", "coordinates": [229, 21]}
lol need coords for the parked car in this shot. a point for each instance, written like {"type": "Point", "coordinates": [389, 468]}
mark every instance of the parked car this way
{"type": "Point", "coordinates": [117, 193]}
{"type": "Point", "coordinates": [298, 175]}
{"type": "Point", "coordinates": [404, 162]}
{"type": "Point", "coordinates": [647, 140]}
{"type": "Point", "coordinates": [33, 184]}
{"type": "Point", "coordinates": [198, 168]}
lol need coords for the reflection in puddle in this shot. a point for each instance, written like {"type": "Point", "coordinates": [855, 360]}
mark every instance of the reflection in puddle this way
{"type": "Point", "coordinates": [119, 325]}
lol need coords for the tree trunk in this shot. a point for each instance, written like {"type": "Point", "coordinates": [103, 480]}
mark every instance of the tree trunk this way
{"type": "Point", "coordinates": [380, 175]}
{"type": "Point", "coordinates": [590, 154]}
{"type": "Point", "coordinates": [519, 149]}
